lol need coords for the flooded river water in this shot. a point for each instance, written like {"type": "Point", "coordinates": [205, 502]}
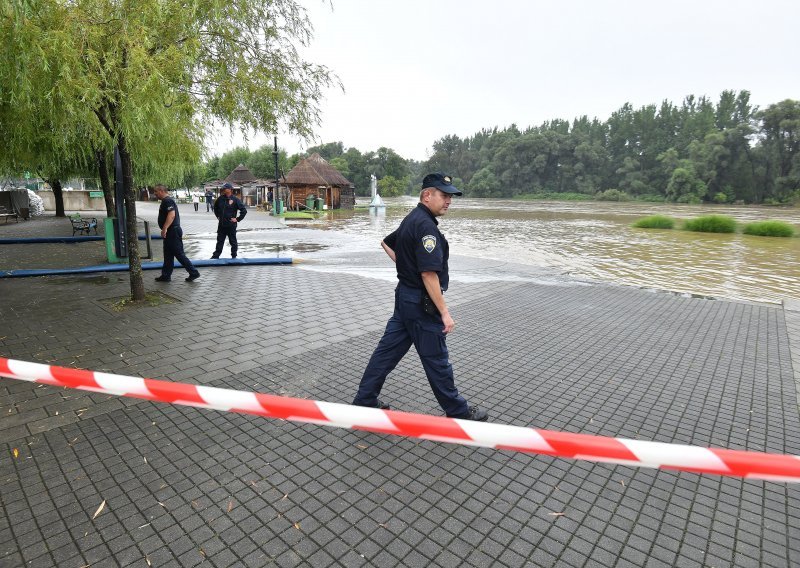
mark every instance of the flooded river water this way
{"type": "Point", "coordinates": [587, 240]}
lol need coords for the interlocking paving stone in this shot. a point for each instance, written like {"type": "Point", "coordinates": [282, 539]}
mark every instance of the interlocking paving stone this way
{"type": "Point", "coordinates": [189, 487]}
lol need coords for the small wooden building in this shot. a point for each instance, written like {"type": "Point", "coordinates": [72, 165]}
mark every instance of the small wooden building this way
{"type": "Point", "coordinates": [315, 176]}
{"type": "Point", "coordinates": [251, 190]}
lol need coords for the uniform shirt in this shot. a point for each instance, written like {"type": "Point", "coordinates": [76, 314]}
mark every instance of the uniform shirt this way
{"type": "Point", "coordinates": [227, 208]}
{"type": "Point", "coordinates": [167, 205]}
{"type": "Point", "coordinates": [419, 246]}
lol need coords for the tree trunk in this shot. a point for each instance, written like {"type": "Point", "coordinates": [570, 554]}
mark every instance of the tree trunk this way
{"type": "Point", "coordinates": [105, 182]}
{"type": "Point", "coordinates": [58, 195]}
{"type": "Point", "coordinates": [134, 260]}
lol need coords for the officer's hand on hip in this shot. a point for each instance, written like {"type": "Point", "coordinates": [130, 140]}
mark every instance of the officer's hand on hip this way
{"type": "Point", "coordinates": [449, 323]}
{"type": "Point", "coordinates": [163, 233]}
{"type": "Point", "coordinates": [233, 220]}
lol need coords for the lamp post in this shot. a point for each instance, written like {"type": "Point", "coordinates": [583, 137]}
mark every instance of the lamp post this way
{"type": "Point", "coordinates": [275, 200]}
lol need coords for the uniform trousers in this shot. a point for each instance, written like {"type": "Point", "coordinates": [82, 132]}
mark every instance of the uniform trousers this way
{"type": "Point", "coordinates": [410, 325]}
{"type": "Point", "coordinates": [226, 230]}
{"type": "Point", "coordinates": [173, 248]}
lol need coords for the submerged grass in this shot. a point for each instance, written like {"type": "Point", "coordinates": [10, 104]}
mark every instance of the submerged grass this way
{"type": "Point", "coordinates": [769, 229]}
{"type": "Point", "coordinates": [654, 222]}
{"type": "Point", "coordinates": [711, 224]}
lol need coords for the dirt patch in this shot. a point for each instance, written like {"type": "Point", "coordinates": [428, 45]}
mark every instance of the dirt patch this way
{"type": "Point", "coordinates": [151, 300]}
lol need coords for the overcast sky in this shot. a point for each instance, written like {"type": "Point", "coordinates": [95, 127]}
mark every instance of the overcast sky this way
{"type": "Point", "coordinates": [416, 70]}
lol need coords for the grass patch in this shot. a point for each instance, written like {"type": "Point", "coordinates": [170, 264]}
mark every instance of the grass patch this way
{"type": "Point", "coordinates": [655, 222]}
{"type": "Point", "coordinates": [711, 224]}
{"type": "Point", "coordinates": [301, 214]}
{"type": "Point", "coordinates": [555, 196]}
{"type": "Point", "coordinates": [151, 300]}
{"type": "Point", "coordinates": [769, 229]}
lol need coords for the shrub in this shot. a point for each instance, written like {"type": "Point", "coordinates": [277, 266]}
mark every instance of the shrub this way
{"type": "Point", "coordinates": [654, 222]}
{"type": "Point", "coordinates": [556, 196]}
{"type": "Point", "coordinates": [769, 229]}
{"type": "Point", "coordinates": [651, 198]}
{"type": "Point", "coordinates": [612, 195]}
{"type": "Point", "coordinates": [711, 224]}
{"type": "Point", "coordinates": [720, 197]}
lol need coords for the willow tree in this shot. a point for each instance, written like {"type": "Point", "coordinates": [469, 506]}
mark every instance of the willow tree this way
{"type": "Point", "coordinates": [154, 75]}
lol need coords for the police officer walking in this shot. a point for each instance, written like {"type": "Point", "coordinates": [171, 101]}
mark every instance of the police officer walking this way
{"type": "Point", "coordinates": [420, 316]}
{"type": "Point", "coordinates": [230, 211]}
{"type": "Point", "coordinates": [169, 220]}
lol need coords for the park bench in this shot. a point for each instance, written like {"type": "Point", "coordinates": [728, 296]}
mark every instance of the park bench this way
{"type": "Point", "coordinates": [5, 213]}
{"type": "Point", "coordinates": [80, 225]}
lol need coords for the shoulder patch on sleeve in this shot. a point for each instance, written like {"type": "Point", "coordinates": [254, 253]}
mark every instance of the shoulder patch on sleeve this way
{"type": "Point", "coordinates": [429, 243]}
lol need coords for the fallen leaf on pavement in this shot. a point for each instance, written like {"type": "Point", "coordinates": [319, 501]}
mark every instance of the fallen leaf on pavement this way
{"type": "Point", "coordinates": [99, 509]}
{"type": "Point", "coordinates": [16, 453]}
{"type": "Point", "coordinates": [230, 505]}
{"type": "Point", "coordinates": [556, 514]}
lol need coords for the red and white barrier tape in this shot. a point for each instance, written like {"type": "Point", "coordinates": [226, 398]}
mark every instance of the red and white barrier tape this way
{"type": "Point", "coordinates": [750, 465]}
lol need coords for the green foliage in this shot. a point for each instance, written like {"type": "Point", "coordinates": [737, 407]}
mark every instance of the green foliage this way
{"type": "Point", "coordinates": [230, 160]}
{"type": "Point", "coordinates": [769, 229]}
{"type": "Point", "coordinates": [484, 184]}
{"type": "Point", "coordinates": [651, 198]}
{"type": "Point", "coordinates": [654, 222]}
{"type": "Point", "coordinates": [341, 165]}
{"type": "Point", "coordinates": [711, 224]}
{"type": "Point", "coordinates": [389, 186]}
{"type": "Point", "coordinates": [556, 196]}
{"type": "Point", "coordinates": [155, 73]}
{"type": "Point", "coordinates": [684, 185]}
{"type": "Point", "coordinates": [720, 197]}
{"type": "Point", "coordinates": [612, 195]}
{"type": "Point", "coordinates": [686, 153]}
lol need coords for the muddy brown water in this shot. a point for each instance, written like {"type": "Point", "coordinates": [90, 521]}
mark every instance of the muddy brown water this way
{"type": "Point", "coordinates": [590, 240]}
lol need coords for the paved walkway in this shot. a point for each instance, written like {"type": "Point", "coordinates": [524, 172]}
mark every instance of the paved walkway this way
{"type": "Point", "coordinates": [185, 487]}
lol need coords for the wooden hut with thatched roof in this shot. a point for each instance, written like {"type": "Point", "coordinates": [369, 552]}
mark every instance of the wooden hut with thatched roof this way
{"type": "Point", "coordinates": [241, 177]}
{"type": "Point", "coordinates": [315, 176]}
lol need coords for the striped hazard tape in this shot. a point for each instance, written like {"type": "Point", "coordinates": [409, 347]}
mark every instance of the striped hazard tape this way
{"type": "Point", "coordinates": [637, 453]}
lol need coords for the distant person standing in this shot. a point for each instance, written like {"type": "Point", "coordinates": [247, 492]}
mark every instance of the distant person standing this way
{"type": "Point", "coordinates": [230, 211]}
{"type": "Point", "coordinates": [209, 200]}
{"type": "Point", "coordinates": [196, 200]}
{"type": "Point", "coordinates": [169, 221]}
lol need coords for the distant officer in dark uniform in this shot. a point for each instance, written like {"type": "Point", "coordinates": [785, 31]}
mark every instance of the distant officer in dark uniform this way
{"type": "Point", "coordinates": [209, 200]}
{"type": "Point", "coordinates": [169, 220]}
{"type": "Point", "coordinates": [420, 316]}
{"type": "Point", "coordinates": [230, 211]}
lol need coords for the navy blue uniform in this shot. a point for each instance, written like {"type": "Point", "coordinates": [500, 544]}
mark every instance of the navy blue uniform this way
{"type": "Point", "coordinates": [226, 208]}
{"type": "Point", "coordinates": [173, 242]}
{"type": "Point", "coordinates": [419, 247]}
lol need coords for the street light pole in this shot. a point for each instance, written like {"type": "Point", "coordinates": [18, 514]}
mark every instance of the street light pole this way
{"type": "Point", "coordinates": [275, 193]}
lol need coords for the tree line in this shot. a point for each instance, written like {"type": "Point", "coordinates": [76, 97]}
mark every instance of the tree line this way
{"type": "Point", "coordinates": [697, 152]}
